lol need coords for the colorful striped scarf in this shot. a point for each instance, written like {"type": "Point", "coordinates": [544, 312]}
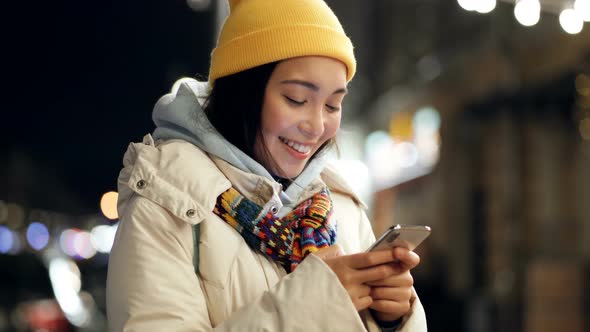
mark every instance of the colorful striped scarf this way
{"type": "Point", "coordinates": [287, 240]}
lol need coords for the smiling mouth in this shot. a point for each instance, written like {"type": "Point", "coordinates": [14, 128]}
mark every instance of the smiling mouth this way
{"type": "Point", "coordinates": [301, 148]}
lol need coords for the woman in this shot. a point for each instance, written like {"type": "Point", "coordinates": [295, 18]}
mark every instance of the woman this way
{"type": "Point", "coordinates": [229, 217]}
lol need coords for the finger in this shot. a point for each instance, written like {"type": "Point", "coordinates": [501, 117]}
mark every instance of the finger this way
{"type": "Point", "coordinates": [367, 259]}
{"type": "Point", "coordinates": [363, 303]}
{"type": "Point", "coordinates": [391, 307]}
{"type": "Point", "coordinates": [397, 294]}
{"type": "Point", "coordinates": [361, 291]}
{"type": "Point", "coordinates": [375, 273]}
{"type": "Point", "coordinates": [406, 258]}
{"type": "Point", "coordinates": [397, 280]}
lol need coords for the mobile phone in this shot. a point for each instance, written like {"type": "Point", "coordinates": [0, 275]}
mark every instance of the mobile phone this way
{"type": "Point", "coordinates": [406, 236]}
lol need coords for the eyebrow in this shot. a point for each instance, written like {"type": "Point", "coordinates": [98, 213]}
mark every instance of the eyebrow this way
{"type": "Point", "coordinates": [312, 86]}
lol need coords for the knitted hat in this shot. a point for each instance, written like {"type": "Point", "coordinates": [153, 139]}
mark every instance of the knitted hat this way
{"type": "Point", "coordinates": [258, 32]}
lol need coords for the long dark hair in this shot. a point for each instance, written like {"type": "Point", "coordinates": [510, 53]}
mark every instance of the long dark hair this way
{"type": "Point", "coordinates": [234, 108]}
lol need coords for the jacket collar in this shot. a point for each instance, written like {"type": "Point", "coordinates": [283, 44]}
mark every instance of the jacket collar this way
{"type": "Point", "coordinates": [174, 173]}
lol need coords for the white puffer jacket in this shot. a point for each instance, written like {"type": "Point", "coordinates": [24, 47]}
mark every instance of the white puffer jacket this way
{"type": "Point", "coordinates": [164, 190]}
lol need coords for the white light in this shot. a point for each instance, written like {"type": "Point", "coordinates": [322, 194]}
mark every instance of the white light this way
{"type": "Point", "coordinates": [102, 237]}
{"type": "Point", "coordinates": [571, 21]}
{"type": "Point", "coordinates": [426, 121]}
{"type": "Point", "coordinates": [405, 154]}
{"type": "Point", "coordinates": [583, 9]}
{"type": "Point", "coordinates": [66, 241]}
{"type": "Point", "coordinates": [83, 245]}
{"type": "Point", "coordinates": [469, 5]}
{"type": "Point", "coordinates": [485, 6]}
{"type": "Point", "coordinates": [65, 281]}
{"type": "Point", "coordinates": [527, 12]}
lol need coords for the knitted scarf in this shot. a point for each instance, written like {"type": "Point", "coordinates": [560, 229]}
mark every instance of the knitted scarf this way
{"type": "Point", "coordinates": [287, 240]}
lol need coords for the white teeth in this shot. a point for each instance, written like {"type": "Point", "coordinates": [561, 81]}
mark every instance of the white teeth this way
{"type": "Point", "coordinates": [298, 147]}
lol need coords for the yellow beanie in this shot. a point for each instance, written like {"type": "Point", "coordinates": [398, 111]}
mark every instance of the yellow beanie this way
{"type": "Point", "coordinates": [258, 32]}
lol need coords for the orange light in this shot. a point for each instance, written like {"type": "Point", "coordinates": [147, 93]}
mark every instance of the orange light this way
{"type": "Point", "coordinates": [108, 205]}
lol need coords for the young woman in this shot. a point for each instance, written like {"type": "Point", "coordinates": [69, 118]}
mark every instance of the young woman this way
{"type": "Point", "coordinates": [230, 219]}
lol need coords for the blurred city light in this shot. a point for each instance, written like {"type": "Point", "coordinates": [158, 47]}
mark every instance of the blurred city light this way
{"type": "Point", "coordinates": [480, 6]}
{"type": "Point", "coordinates": [527, 12]}
{"type": "Point", "coordinates": [66, 241]}
{"type": "Point", "coordinates": [583, 9]}
{"type": "Point", "coordinates": [102, 237]}
{"type": "Point", "coordinates": [405, 154]}
{"type": "Point", "coordinates": [6, 240]}
{"type": "Point", "coordinates": [571, 21]}
{"type": "Point", "coordinates": [83, 245]}
{"type": "Point", "coordinates": [400, 126]}
{"type": "Point", "coordinates": [10, 241]}
{"type": "Point", "coordinates": [65, 280]}
{"type": "Point", "coordinates": [37, 235]}
{"type": "Point", "coordinates": [426, 121]}
{"type": "Point", "coordinates": [485, 6]}
{"type": "Point", "coordinates": [469, 5]}
{"type": "Point", "coordinates": [108, 205]}
{"type": "Point", "coordinates": [429, 67]}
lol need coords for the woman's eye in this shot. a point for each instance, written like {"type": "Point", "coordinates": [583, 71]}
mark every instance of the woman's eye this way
{"type": "Point", "coordinates": [333, 108]}
{"type": "Point", "coordinates": [295, 102]}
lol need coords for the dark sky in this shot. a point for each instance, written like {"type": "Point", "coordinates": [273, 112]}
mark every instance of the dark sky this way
{"type": "Point", "coordinates": [82, 80]}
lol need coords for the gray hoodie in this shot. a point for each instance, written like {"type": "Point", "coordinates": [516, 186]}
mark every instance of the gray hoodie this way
{"type": "Point", "coordinates": [179, 115]}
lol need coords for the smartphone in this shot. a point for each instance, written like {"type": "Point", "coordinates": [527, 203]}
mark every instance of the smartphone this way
{"type": "Point", "coordinates": [406, 236]}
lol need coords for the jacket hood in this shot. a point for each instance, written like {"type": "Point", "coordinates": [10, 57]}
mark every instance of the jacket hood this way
{"type": "Point", "coordinates": [179, 115]}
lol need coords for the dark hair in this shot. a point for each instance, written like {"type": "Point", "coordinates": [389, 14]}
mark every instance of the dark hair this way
{"type": "Point", "coordinates": [234, 108]}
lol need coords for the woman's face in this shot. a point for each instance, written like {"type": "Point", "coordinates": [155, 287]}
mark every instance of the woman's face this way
{"type": "Point", "coordinates": [300, 112]}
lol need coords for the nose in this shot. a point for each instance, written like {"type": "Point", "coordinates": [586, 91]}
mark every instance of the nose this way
{"type": "Point", "coordinates": [313, 125]}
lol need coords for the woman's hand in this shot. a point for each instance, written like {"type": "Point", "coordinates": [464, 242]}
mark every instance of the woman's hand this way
{"type": "Point", "coordinates": [392, 296]}
{"type": "Point", "coordinates": [356, 272]}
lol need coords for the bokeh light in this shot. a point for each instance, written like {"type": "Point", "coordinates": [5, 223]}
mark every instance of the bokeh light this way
{"type": "Point", "coordinates": [486, 6]}
{"type": "Point", "coordinates": [66, 241]}
{"type": "Point", "coordinates": [426, 121]}
{"type": "Point", "coordinates": [37, 235]}
{"type": "Point", "coordinates": [108, 205]}
{"type": "Point", "coordinates": [571, 21]}
{"type": "Point", "coordinates": [527, 12]}
{"type": "Point", "coordinates": [83, 245]}
{"type": "Point", "coordinates": [469, 5]}
{"type": "Point", "coordinates": [102, 237]}
{"type": "Point", "coordinates": [480, 6]}
{"type": "Point", "coordinates": [405, 154]}
{"type": "Point", "coordinates": [583, 9]}
{"type": "Point", "coordinates": [65, 279]}
{"type": "Point", "coordinates": [6, 240]}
